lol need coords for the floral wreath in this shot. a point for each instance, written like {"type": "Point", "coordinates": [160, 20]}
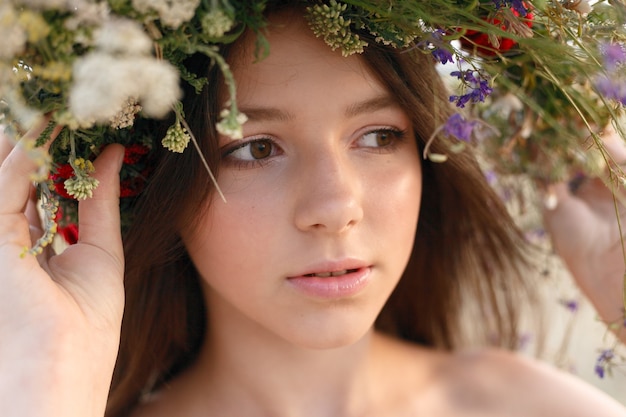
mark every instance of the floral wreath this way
{"type": "Point", "coordinates": [535, 78]}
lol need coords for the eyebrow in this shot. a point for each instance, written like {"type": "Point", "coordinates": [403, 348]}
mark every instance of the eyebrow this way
{"type": "Point", "coordinates": [275, 114]}
{"type": "Point", "coordinates": [267, 113]}
{"type": "Point", "coordinates": [371, 105]}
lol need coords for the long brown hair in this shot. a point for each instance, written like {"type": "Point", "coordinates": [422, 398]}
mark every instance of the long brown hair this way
{"type": "Point", "coordinates": [466, 256]}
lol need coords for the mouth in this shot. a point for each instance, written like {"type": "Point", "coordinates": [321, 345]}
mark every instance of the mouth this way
{"type": "Point", "coordinates": [332, 274]}
{"type": "Point", "coordinates": [333, 283]}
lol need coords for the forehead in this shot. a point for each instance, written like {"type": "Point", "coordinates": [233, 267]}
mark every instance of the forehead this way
{"type": "Point", "coordinates": [299, 62]}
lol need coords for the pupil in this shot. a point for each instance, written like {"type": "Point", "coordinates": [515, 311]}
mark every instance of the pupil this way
{"type": "Point", "coordinates": [260, 149]}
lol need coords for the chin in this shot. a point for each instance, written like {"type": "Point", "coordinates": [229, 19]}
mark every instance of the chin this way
{"type": "Point", "coordinates": [331, 337]}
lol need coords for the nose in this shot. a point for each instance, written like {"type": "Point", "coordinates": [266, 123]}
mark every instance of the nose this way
{"type": "Point", "coordinates": [329, 194]}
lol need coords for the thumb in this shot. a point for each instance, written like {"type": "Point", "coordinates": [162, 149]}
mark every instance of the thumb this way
{"type": "Point", "coordinates": [563, 213]}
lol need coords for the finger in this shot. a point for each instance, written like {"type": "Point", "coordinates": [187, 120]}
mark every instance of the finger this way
{"type": "Point", "coordinates": [614, 144]}
{"type": "Point", "coordinates": [6, 144]}
{"type": "Point", "coordinates": [32, 213]}
{"type": "Point", "coordinates": [17, 170]}
{"type": "Point", "coordinates": [565, 220]}
{"type": "Point", "coordinates": [99, 216]}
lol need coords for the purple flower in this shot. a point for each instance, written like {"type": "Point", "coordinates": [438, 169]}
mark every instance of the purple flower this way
{"type": "Point", "coordinates": [612, 84]}
{"type": "Point", "coordinates": [479, 88]}
{"type": "Point", "coordinates": [614, 54]}
{"type": "Point", "coordinates": [517, 5]}
{"type": "Point", "coordinates": [599, 370]}
{"type": "Point", "coordinates": [443, 55]}
{"type": "Point", "coordinates": [612, 87]}
{"type": "Point", "coordinates": [439, 47]}
{"type": "Point", "coordinates": [491, 177]}
{"type": "Point", "coordinates": [458, 127]}
{"type": "Point", "coordinates": [603, 360]}
{"type": "Point", "coordinates": [571, 305]}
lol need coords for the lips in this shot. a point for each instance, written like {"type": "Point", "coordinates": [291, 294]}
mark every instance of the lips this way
{"type": "Point", "coordinates": [333, 280]}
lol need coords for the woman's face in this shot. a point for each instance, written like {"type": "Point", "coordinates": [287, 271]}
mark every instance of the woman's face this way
{"type": "Point", "coordinates": [322, 197]}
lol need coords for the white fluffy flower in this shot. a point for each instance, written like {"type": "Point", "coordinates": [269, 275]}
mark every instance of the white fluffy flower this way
{"type": "Point", "coordinates": [86, 13]}
{"type": "Point", "coordinates": [172, 13]}
{"type": "Point", "coordinates": [43, 4]}
{"type": "Point", "coordinates": [12, 34]}
{"type": "Point", "coordinates": [123, 36]}
{"type": "Point", "coordinates": [103, 84]}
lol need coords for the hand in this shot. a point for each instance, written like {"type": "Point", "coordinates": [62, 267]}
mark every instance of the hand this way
{"type": "Point", "coordinates": [586, 235]}
{"type": "Point", "coordinates": [60, 316]}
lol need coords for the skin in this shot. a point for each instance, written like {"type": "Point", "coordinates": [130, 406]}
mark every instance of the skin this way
{"type": "Point", "coordinates": [60, 316]}
{"type": "Point", "coordinates": [335, 188]}
{"type": "Point", "coordinates": [582, 221]}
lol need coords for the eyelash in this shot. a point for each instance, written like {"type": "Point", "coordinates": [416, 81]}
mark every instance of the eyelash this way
{"type": "Point", "coordinates": [398, 137]}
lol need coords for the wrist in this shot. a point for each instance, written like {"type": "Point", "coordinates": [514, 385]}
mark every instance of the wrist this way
{"type": "Point", "coordinates": [60, 375]}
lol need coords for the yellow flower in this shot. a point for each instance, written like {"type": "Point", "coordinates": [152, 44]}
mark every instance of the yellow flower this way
{"type": "Point", "coordinates": [34, 24]}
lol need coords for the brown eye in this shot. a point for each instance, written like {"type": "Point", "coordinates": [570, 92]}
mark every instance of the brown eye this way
{"type": "Point", "coordinates": [380, 138]}
{"type": "Point", "coordinates": [260, 149]}
{"type": "Point", "coordinates": [383, 138]}
{"type": "Point", "coordinates": [253, 150]}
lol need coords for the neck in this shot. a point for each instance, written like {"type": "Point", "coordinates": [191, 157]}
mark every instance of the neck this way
{"type": "Point", "coordinates": [263, 374]}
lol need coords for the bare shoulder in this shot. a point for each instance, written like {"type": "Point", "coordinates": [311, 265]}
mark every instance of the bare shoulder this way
{"type": "Point", "coordinates": [504, 383]}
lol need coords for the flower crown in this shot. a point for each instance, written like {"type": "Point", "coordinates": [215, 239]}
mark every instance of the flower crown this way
{"type": "Point", "coordinates": [535, 79]}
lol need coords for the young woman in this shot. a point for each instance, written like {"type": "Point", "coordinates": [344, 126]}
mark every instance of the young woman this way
{"type": "Point", "coordinates": [333, 281]}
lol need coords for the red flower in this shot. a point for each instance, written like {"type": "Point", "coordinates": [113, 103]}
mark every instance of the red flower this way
{"type": "Point", "coordinates": [478, 41]}
{"type": "Point", "coordinates": [134, 152]}
{"type": "Point", "coordinates": [69, 233]}
{"type": "Point", "coordinates": [63, 172]}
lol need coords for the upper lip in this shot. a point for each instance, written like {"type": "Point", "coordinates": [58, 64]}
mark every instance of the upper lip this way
{"type": "Point", "coordinates": [331, 266]}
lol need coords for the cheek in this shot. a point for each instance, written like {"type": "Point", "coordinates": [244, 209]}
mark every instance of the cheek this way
{"type": "Point", "coordinates": [225, 243]}
{"type": "Point", "coordinates": [394, 210]}
{"type": "Point", "coordinates": [397, 194]}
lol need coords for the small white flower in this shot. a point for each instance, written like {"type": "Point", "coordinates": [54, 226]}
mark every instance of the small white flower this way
{"type": "Point", "coordinates": [581, 6]}
{"type": "Point", "coordinates": [103, 83]}
{"type": "Point", "coordinates": [160, 88]}
{"type": "Point", "coordinates": [81, 187]}
{"type": "Point", "coordinates": [8, 80]}
{"type": "Point", "coordinates": [231, 126]}
{"type": "Point", "coordinates": [172, 13]}
{"type": "Point", "coordinates": [86, 13]}
{"type": "Point", "coordinates": [126, 117]}
{"type": "Point", "coordinates": [216, 23]}
{"type": "Point", "coordinates": [43, 4]}
{"type": "Point", "coordinates": [123, 36]}
{"type": "Point", "coordinates": [176, 138]}
{"type": "Point", "coordinates": [12, 34]}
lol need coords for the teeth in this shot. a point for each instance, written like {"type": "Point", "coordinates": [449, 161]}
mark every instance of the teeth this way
{"type": "Point", "coordinates": [331, 274]}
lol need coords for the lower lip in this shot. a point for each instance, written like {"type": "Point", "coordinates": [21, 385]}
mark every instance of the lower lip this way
{"type": "Point", "coordinates": [341, 286]}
